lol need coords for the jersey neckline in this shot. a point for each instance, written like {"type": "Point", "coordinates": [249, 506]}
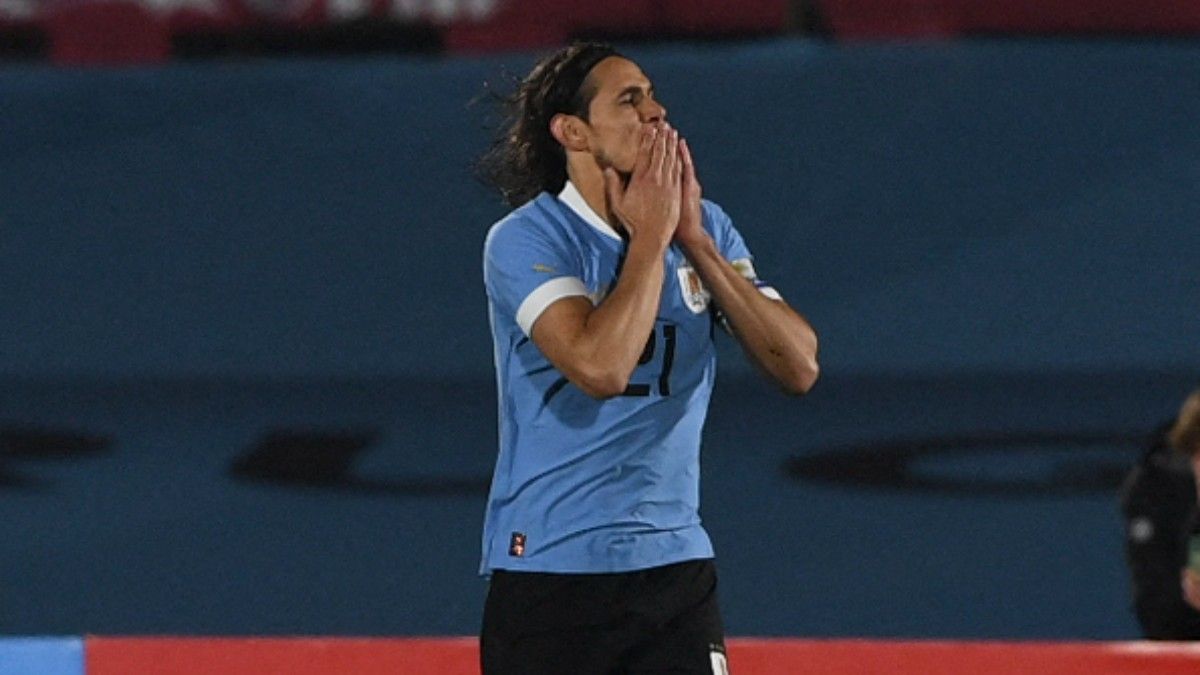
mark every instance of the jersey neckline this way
{"type": "Point", "coordinates": [574, 200]}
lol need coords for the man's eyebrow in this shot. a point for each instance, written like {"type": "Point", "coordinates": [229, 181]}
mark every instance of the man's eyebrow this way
{"type": "Point", "coordinates": [636, 89]}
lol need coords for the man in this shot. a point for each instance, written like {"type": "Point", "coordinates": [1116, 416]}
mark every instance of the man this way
{"type": "Point", "coordinates": [604, 287]}
{"type": "Point", "coordinates": [1159, 501]}
{"type": "Point", "coordinates": [1184, 437]}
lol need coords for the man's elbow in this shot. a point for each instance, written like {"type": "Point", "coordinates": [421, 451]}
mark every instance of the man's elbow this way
{"type": "Point", "coordinates": [601, 384]}
{"type": "Point", "coordinates": [799, 379]}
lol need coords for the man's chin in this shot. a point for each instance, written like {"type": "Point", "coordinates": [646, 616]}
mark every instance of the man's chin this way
{"type": "Point", "coordinates": [605, 162]}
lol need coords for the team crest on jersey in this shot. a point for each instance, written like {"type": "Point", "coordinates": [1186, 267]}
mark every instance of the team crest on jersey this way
{"type": "Point", "coordinates": [695, 295]}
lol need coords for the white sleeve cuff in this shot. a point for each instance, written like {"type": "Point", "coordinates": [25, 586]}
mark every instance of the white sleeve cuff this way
{"type": "Point", "coordinates": [543, 296]}
{"type": "Point", "coordinates": [770, 292]}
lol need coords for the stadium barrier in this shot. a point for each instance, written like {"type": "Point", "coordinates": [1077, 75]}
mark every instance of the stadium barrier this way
{"type": "Point", "coordinates": [884, 19]}
{"type": "Point", "coordinates": [459, 656]}
{"type": "Point", "coordinates": [150, 31]}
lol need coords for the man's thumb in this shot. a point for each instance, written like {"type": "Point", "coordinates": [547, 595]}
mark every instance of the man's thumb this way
{"type": "Point", "coordinates": [612, 186]}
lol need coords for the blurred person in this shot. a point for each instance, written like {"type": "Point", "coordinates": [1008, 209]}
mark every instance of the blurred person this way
{"type": "Point", "coordinates": [1159, 501]}
{"type": "Point", "coordinates": [1184, 437]}
{"type": "Point", "coordinates": [592, 535]}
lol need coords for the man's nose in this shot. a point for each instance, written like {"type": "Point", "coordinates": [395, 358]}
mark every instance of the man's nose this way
{"type": "Point", "coordinates": [653, 111]}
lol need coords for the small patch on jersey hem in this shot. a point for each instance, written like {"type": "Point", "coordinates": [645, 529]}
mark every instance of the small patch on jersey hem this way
{"type": "Point", "coordinates": [516, 545]}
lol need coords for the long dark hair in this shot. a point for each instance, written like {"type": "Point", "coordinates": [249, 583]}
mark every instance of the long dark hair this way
{"type": "Point", "coordinates": [525, 158]}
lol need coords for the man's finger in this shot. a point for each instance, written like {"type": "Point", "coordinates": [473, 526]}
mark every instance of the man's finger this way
{"type": "Point", "coordinates": [671, 159]}
{"type": "Point", "coordinates": [689, 167]}
{"type": "Point", "coordinates": [645, 150]}
{"type": "Point", "coordinates": [1190, 583]}
{"type": "Point", "coordinates": [612, 187]}
{"type": "Point", "coordinates": [657, 155]}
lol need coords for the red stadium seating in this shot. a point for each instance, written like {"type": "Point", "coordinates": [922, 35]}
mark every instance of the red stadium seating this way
{"type": "Point", "coordinates": [139, 31]}
{"type": "Point", "coordinates": [883, 19]}
{"type": "Point", "coordinates": [123, 31]}
{"type": "Point", "coordinates": [541, 23]}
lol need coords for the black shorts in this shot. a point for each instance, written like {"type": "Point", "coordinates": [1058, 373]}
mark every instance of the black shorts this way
{"type": "Point", "coordinates": [660, 620]}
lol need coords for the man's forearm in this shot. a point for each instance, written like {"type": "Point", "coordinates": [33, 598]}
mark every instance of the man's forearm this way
{"type": "Point", "coordinates": [777, 339]}
{"type": "Point", "coordinates": [616, 329]}
{"type": "Point", "coordinates": [597, 347]}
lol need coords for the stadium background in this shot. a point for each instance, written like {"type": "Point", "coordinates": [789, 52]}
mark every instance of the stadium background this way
{"type": "Point", "coordinates": [246, 374]}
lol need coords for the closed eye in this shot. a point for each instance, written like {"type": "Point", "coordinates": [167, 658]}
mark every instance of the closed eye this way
{"type": "Point", "coordinates": [634, 95]}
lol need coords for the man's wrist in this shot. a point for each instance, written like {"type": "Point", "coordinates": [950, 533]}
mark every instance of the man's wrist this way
{"type": "Point", "coordinates": [652, 246]}
{"type": "Point", "coordinates": [697, 244]}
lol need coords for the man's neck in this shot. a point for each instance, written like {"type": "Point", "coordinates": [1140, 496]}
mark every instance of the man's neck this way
{"type": "Point", "coordinates": [589, 181]}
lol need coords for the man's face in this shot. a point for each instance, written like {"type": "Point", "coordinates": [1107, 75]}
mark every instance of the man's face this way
{"type": "Point", "coordinates": [623, 104]}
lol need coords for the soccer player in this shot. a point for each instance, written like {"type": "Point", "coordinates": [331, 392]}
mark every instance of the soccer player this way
{"type": "Point", "coordinates": [1184, 437]}
{"type": "Point", "coordinates": [1159, 502]}
{"type": "Point", "coordinates": [604, 288]}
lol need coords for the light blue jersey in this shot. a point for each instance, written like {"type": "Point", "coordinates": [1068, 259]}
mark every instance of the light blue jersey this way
{"type": "Point", "coordinates": [584, 485]}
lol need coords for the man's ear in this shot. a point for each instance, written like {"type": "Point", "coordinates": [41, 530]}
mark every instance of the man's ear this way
{"type": "Point", "coordinates": [568, 131]}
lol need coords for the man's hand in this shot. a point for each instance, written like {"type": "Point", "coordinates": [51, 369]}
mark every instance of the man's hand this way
{"type": "Point", "coordinates": [691, 225]}
{"type": "Point", "coordinates": [648, 206]}
{"type": "Point", "coordinates": [1191, 587]}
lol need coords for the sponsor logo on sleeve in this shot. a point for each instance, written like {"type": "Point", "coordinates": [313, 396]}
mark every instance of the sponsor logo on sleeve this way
{"type": "Point", "coordinates": [745, 268]}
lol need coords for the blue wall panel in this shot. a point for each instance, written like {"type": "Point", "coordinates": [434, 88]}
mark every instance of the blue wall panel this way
{"type": "Point", "coordinates": [41, 656]}
{"type": "Point", "coordinates": [942, 207]}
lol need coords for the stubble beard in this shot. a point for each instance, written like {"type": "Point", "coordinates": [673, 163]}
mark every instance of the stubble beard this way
{"type": "Point", "coordinates": [605, 161]}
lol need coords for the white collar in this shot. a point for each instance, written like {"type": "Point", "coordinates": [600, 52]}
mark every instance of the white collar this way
{"type": "Point", "coordinates": [571, 197]}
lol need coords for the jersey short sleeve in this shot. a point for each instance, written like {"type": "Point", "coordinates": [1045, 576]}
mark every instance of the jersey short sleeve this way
{"type": "Point", "coordinates": [733, 248]}
{"type": "Point", "coordinates": [526, 268]}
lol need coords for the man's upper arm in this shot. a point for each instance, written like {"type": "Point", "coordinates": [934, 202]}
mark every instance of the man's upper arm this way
{"type": "Point", "coordinates": [733, 248]}
{"type": "Point", "coordinates": [556, 330]}
{"type": "Point", "coordinates": [537, 283]}
{"type": "Point", "coordinates": [526, 272]}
